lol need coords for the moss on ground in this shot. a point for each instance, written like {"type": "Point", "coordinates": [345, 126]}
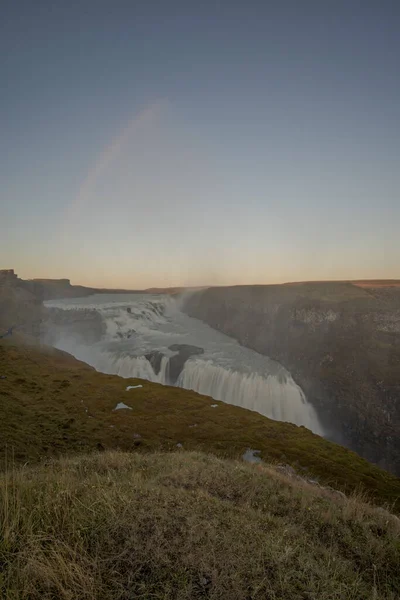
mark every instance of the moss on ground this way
{"type": "Point", "coordinates": [52, 404]}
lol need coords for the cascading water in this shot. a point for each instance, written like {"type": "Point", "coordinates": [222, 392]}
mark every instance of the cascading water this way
{"type": "Point", "coordinates": [129, 366]}
{"type": "Point", "coordinates": [148, 337]}
{"type": "Point", "coordinates": [276, 397]}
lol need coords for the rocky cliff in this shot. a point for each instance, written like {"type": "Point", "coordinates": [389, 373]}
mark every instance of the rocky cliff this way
{"type": "Point", "coordinates": [20, 307]}
{"type": "Point", "coordinates": [21, 301]}
{"type": "Point", "coordinates": [341, 343]}
{"type": "Point", "coordinates": [49, 289]}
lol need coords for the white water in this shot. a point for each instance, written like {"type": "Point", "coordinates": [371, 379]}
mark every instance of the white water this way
{"type": "Point", "coordinates": [278, 399]}
{"type": "Point", "coordinates": [225, 371]}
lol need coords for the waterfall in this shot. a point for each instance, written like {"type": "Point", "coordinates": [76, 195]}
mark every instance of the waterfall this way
{"type": "Point", "coordinates": [276, 397]}
{"type": "Point", "coordinates": [129, 366]}
{"type": "Point", "coordinates": [148, 337]}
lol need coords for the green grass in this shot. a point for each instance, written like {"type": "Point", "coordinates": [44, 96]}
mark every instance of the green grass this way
{"type": "Point", "coordinates": [51, 405]}
{"type": "Point", "coordinates": [118, 526]}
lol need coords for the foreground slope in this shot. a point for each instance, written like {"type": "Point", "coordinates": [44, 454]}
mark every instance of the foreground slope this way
{"type": "Point", "coordinates": [52, 404]}
{"type": "Point", "coordinates": [187, 525]}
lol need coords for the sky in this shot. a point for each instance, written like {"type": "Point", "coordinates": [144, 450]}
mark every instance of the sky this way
{"type": "Point", "coordinates": [148, 143]}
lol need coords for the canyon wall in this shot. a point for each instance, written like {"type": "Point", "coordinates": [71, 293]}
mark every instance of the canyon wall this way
{"type": "Point", "coordinates": [341, 342]}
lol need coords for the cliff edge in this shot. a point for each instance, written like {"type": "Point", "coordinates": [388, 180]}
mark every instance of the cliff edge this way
{"type": "Point", "coordinates": [340, 341]}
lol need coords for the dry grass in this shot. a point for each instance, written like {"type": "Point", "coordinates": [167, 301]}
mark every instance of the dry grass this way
{"type": "Point", "coordinates": [187, 525]}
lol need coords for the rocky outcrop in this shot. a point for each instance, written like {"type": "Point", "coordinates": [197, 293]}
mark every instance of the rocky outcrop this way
{"type": "Point", "coordinates": [155, 357]}
{"type": "Point", "coordinates": [340, 342]}
{"type": "Point", "coordinates": [50, 289]}
{"type": "Point", "coordinates": [177, 362]}
{"type": "Point", "coordinates": [21, 310]}
{"type": "Point", "coordinates": [7, 276]}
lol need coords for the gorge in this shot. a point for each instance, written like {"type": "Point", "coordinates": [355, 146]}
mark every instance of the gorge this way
{"type": "Point", "coordinates": [339, 340]}
{"type": "Point", "coordinates": [150, 337]}
{"type": "Point", "coordinates": [328, 351]}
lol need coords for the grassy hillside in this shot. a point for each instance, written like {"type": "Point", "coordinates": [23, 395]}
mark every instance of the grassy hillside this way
{"type": "Point", "coordinates": [52, 404]}
{"type": "Point", "coordinates": [115, 526]}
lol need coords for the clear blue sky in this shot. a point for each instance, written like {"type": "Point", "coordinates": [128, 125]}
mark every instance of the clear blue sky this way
{"type": "Point", "coordinates": [167, 143]}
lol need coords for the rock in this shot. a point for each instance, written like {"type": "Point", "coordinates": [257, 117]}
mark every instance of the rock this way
{"type": "Point", "coordinates": [176, 363]}
{"type": "Point", "coordinates": [121, 406]}
{"type": "Point", "coordinates": [251, 456]}
{"type": "Point", "coordinates": [312, 481]}
{"type": "Point", "coordinates": [155, 357]}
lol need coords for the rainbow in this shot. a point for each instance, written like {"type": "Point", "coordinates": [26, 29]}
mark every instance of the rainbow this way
{"type": "Point", "coordinates": [144, 118]}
